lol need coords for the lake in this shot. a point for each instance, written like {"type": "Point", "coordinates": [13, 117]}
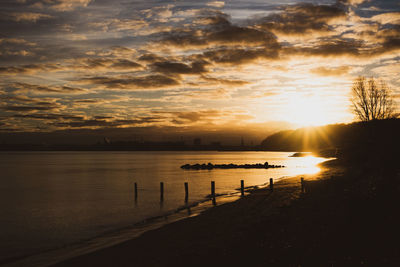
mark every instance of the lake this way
{"type": "Point", "coordinates": [52, 199]}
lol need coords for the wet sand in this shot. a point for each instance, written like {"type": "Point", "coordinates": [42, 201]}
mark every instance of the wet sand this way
{"type": "Point", "coordinates": [337, 222]}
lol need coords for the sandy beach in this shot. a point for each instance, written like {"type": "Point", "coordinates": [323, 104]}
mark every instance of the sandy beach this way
{"type": "Point", "coordinates": [329, 225]}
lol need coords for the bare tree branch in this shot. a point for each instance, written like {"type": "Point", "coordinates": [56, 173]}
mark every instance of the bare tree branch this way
{"type": "Point", "coordinates": [372, 100]}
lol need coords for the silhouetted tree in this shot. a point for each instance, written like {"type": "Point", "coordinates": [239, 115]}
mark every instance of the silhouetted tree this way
{"type": "Point", "coordinates": [372, 100]}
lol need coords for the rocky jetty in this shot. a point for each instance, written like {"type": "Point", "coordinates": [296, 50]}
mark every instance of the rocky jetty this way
{"type": "Point", "coordinates": [301, 154]}
{"type": "Point", "coordinates": [211, 166]}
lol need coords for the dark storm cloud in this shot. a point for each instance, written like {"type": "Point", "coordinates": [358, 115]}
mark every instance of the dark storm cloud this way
{"type": "Point", "coordinates": [142, 82]}
{"type": "Point", "coordinates": [167, 67]}
{"type": "Point", "coordinates": [225, 43]}
{"type": "Point", "coordinates": [151, 58]}
{"type": "Point", "coordinates": [239, 55]}
{"type": "Point", "coordinates": [229, 35]}
{"type": "Point", "coordinates": [302, 18]}
{"type": "Point", "coordinates": [219, 31]}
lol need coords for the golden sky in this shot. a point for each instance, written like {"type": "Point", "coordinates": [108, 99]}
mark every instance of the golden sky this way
{"type": "Point", "coordinates": [178, 65]}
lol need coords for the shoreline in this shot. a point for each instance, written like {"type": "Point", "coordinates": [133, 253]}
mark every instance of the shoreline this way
{"type": "Point", "coordinates": [117, 236]}
{"type": "Point", "coordinates": [347, 209]}
{"type": "Point", "coordinates": [289, 186]}
{"type": "Point", "coordinates": [109, 239]}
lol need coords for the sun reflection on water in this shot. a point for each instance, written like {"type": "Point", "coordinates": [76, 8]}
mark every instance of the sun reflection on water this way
{"type": "Point", "coordinates": [307, 165]}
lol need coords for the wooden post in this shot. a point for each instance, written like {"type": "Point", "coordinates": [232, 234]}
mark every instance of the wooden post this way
{"type": "Point", "coordinates": [135, 191]}
{"type": "Point", "coordinates": [302, 185]}
{"type": "Point", "coordinates": [161, 191]}
{"type": "Point", "coordinates": [213, 192]}
{"type": "Point", "coordinates": [242, 187]}
{"type": "Point", "coordinates": [186, 192]}
{"type": "Point", "coordinates": [271, 184]}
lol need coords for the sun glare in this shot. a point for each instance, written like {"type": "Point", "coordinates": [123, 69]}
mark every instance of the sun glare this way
{"type": "Point", "coordinates": [307, 111]}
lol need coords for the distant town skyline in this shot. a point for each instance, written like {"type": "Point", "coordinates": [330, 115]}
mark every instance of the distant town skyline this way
{"type": "Point", "coordinates": [188, 68]}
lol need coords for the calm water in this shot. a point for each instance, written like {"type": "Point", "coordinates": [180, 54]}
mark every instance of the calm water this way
{"type": "Point", "coordinates": [49, 199]}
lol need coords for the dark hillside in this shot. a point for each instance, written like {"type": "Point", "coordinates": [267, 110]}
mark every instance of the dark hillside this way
{"type": "Point", "coordinates": [361, 138]}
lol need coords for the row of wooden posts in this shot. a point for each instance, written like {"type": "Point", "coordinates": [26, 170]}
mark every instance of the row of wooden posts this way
{"type": "Point", "coordinates": [186, 185]}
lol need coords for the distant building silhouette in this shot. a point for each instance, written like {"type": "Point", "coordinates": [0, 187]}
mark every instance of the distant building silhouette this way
{"type": "Point", "coordinates": [197, 141]}
{"type": "Point", "coordinates": [215, 143]}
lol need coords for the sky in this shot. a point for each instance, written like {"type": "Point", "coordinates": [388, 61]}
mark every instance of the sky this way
{"type": "Point", "coordinates": [129, 68]}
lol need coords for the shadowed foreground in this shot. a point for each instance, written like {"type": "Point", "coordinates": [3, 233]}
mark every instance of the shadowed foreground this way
{"type": "Point", "coordinates": [349, 220]}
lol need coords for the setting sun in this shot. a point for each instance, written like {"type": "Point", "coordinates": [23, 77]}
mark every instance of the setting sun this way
{"type": "Point", "coordinates": [307, 111]}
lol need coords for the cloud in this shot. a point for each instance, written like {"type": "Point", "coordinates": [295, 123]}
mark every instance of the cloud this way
{"type": "Point", "coordinates": [220, 31]}
{"type": "Point", "coordinates": [154, 81]}
{"type": "Point", "coordinates": [49, 116]}
{"type": "Point", "coordinates": [20, 103]}
{"type": "Point", "coordinates": [116, 24]}
{"type": "Point", "coordinates": [387, 18]}
{"type": "Point", "coordinates": [27, 16]}
{"type": "Point", "coordinates": [190, 117]}
{"type": "Point", "coordinates": [301, 19]}
{"type": "Point", "coordinates": [28, 108]}
{"type": "Point", "coordinates": [229, 35]}
{"type": "Point", "coordinates": [105, 122]}
{"type": "Point", "coordinates": [216, 4]}
{"type": "Point", "coordinates": [167, 67]}
{"type": "Point", "coordinates": [16, 41]}
{"type": "Point", "coordinates": [159, 11]}
{"type": "Point", "coordinates": [106, 63]}
{"type": "Point", "coordinates": [16, 47]}
{"type": "Point", "coordinates": [126, 64]}
{"type": "Point", "coordinates": [25, 87]}
{"type": "Point", "coordinates": [323, 71]}
{"type": "Point", "coordinates": [29, 68]}
{"type": "Point", "coordinates": [186, 95]}
{"type": "Point", "coordinates": [352, 2]}
{"type": "Point", "coordinates": [61, 5]}
{"type": "Point", "coordinates": [208, 60]}
{"type": "Point", "coordinates": [326, 47]}
{"type": "Point", "coordinates": [89, 101]}
{"type": "Point", "coordinates": [239, 55]}
{"type": "Point", "coordinates": [151, 58]}
{"type": "Point", "coordinates": [223, 81]}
